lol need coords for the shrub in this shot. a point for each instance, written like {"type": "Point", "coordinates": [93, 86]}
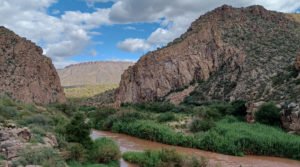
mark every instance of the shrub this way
{"type": "Point", "coordinates": [78, 131]}
{"type": "Point", "coordinates": [37, 120]}
{"type": "Point", "coordinates": [8, 112]}
{"type": "Point", "coordinates": [105, 150]}
{"type": "Point", "coordinates": [165, 117]}
{"type": "Point", "coordinates": [47, 157]}
{"type": "Point", "coordinates": [162, 158]}
{"type": "Point", "coordinates": [201, 125]}
{"type": "Point", "coordinates": [239, 108]}
{"type": "Point", "coordinates": [75, 151]}
{"type": "Point", "coordinates": [68, 109]}
{"type": "Point", "coordinates": [268, 114]}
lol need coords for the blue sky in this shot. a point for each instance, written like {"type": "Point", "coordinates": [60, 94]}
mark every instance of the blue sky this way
{"type": "Point", "coordinates": [74, 31]}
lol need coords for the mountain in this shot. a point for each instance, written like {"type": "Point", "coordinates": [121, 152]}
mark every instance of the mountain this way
{"type": "Point", "coordinates": [25, 74]}
{"type": "Point", "coordinates": [232, 53]}
{"type": "Point", "coordinates": [93, 73]}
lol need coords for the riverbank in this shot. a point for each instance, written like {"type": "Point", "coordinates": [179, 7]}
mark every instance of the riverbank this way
{"type": "Point", "coordinates": [129, 143]}
{"type": "Point", "coordinates": [217, 127]}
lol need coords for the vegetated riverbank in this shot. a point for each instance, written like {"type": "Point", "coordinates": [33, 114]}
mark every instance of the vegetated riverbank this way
{"type": "Point", "coordinates": [215, 127]}
{"type": "Point", "coordinates": [50, 135]}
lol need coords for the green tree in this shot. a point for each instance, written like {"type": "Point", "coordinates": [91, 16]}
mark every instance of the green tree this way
{"type": "Point", "coordinates": [268, 114]}
{"type": "Point", "coordinates": [78, 131]}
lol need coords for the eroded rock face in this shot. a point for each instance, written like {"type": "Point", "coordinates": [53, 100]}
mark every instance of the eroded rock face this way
{"type": "Point", "coordinates": [25, 74]}
{"type": "Point", "coordinates": [234, 52]}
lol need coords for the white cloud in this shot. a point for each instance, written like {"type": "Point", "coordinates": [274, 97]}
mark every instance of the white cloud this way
{"type": "Point", "coordinates": [180, 14]}
{"type": "Point", "coordinates": [94, 53]}
{"type": "Point", "coordinates": [71, 33]}
{"type": "Point", "coordinates": [130, 28]}
{"type": "Point", "coordinates": [134, 45]}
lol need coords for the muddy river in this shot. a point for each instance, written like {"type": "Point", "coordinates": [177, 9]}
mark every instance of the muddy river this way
{"type": "Point", "coordinates": [128, 143]}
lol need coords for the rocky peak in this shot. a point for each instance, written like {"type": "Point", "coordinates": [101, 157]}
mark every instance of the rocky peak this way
{"type": "Point", "coordinates": [234, 52]}
{"type": "Point", "coordinates": [25, 74]}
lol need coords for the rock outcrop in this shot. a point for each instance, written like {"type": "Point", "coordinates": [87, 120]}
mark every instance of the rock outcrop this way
{"type": "Point", "coordinates": [14, 140]}
{"type": "Point", "coordinates": [93, 73]}
{"type": "Point", "coordinates": [25, 74]}
{"type": "Point", "coordinates": [235, 53]}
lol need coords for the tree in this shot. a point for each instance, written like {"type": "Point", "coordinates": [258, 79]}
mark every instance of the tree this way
{"type": "Point", "coordinates": [78, 131]}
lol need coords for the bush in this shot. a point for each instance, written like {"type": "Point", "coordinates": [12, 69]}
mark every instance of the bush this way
{"type": "Point", "coordinates": [268, 114]}
{"type": "Point", "coordinates": [78, 131]}
{"type": "Point", "coordinates": [162, 158]}
{"type": "Point", "coordinates": [239, 138]}
{"type": "Point", "coordinates": [239, 108]}
{"type": "Point", "coordinates": [8, 112]}
{"type": "Point", "coordinates": [37, 120]}
{"type": "Point", "coordinates": [75, 151]}
{"type": "Point", "coordinates": [165, 117]}
{"type": "Point", "coordinates": [105, 150]}
{"type": "Point", "coordinates": [201, 125]}
{"type": "Point", "coordinates": [68, 109]}
{"type": "Point", "coordinates": [47, 157]}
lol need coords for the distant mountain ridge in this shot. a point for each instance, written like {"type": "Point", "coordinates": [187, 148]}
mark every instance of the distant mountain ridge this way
{"type": "Point", "coordinates": [93, 73]}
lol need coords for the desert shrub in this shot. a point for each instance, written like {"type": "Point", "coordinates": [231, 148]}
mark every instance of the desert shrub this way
{"type": "Point", "coordinates": [38, 130]}
{"type": "Point", "coordinates": [165, 117]}
{"type": "Point", "coordinates": [150, 130]}
{"type": "Point", "coordinates": [201, 125]}
{"type": "Point", "coordinates": [37, 120]}
{"type": "Point", "coordinates": [47, 157]}
{"type": "Point", "coordinates": [239, 108]}
{"type": "Point", "coordinates": [68, 109]}
{"type": "Point", "coordinates": [162, 158]}
{"type": "Point", "coordinates": [238, 138]}
{"type": "Point", "coordinates": [268, 114]}
{"type": "Point", "coordinates": [76, 152]}
{"type": "Point", "coordinates": [98, 117]}
{"type": "Point", "coordinates": [212, 113]}
{"type": "Point", "coordinates": [78, 131]}
{"type": "Point", "coordinates": [105, 150]}
{"type": "Point", "coordinates": [8, 112]}
{"type": "Point", "coordinates": [78, 164]}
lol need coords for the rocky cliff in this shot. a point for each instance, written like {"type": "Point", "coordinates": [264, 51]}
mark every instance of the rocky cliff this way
{"type": "Point", "coordinates": [25, 74]}
{"type": "Point", "coordinates": [233, 53]}
{"type": "Point", "coordinates": [93, 73]}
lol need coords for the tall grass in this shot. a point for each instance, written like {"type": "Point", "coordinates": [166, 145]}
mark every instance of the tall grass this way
{"type": "Point", "coordinates": [239, 138]}
{"type": "Point", "coordinates": [155, 132]}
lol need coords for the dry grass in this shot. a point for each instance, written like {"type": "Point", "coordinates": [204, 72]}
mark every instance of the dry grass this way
{"type": "Point", "coordinates": [87, 90]}
{"type": "Point", "coordinates": [294, 17]}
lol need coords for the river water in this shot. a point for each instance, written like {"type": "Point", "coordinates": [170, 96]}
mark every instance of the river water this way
{"type": "Point", "coordinates": [128, 143]}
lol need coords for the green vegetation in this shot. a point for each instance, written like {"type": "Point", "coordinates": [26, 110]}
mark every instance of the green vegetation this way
{"type": "Point", "coordinates": [105, 150]}
{"type": "Point", "coordinates": [214, 126]}
{"type": "Point", "coordinates": [202, 125]}
{"type": "Point", "coordinates": [238, 138]}
{"type": "Point", "coordinates": [67, 123]}
{"type": "Point", "coordinates": [165, 117]}
{"type": "Point", "coordinates": [87, 91]}
{"type": "Point", "coordinates": [163, 158]}
{"type": "Point", "coordinates": [268, 114]}
{"type": "Point", "coordinates": [79, 131]}
{"type": "Point", "coordinates": [46, 157]}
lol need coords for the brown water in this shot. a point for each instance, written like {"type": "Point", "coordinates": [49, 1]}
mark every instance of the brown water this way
{"type": "Point", "coordinates": [128, 143]}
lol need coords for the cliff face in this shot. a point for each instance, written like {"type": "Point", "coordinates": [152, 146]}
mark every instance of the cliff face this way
{"type": "Point", "coordinates": [234, 53]}
{"type": "Point", "coordinates": [25, 74]}
{"type": "Point", "coordinates": [93, 73]}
